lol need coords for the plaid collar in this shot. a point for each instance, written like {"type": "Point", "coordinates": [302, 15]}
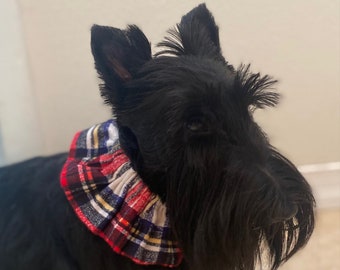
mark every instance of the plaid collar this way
{"type": "Point", "coordinates": [113, 202]}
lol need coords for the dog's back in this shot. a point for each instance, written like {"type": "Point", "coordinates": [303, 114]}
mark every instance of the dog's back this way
{"type": "Point", "coordinates": [30, 205]}
{"type": "Point", "coordinates": [38, 227]}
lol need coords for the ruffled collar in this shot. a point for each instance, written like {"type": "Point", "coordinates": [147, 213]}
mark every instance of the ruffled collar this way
{"type": "Point", "coordinates": [113, 202]}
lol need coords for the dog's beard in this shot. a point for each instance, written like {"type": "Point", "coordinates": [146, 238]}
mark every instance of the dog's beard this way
{"type": "Point", "coordinates": [226, 218]}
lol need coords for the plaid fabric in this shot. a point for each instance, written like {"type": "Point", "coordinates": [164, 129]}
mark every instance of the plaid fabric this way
{"type": "Point", "coordinates": [113, 202]}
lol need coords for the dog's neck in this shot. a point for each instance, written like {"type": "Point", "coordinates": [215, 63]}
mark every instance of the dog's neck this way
{"type": "Point", "coordinates": [156, 180]}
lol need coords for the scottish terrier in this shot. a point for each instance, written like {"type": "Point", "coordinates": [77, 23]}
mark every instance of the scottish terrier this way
{"type": "Point", "coordinates": [182, 177]}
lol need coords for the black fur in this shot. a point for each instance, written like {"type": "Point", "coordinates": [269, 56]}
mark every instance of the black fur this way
{"type": "Point", "coordinates": [185, 120]}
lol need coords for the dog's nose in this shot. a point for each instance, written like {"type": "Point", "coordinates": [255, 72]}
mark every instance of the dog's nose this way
{"type": "Point", "coordinates": [195, 125]}
{"type": "Point", "coordinates": [198, 126]}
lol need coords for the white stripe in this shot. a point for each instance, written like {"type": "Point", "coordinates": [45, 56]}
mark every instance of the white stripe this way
{"type": "Point", "coordinates": [89, 138]}
{"type": "Point", "coordinates": [98, 209]}
{"type": "Point", "coordinates": [148, 247]}
{"type": "Point", "coordinates": [118, 184]}
{"type": "Point", "coordinates": [322, 167]}
{"type": "Point", "coordinates": [113, 135]}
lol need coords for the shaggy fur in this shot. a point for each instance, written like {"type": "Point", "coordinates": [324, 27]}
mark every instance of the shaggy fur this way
{"type": "Point", "coordinates": [185, 121]}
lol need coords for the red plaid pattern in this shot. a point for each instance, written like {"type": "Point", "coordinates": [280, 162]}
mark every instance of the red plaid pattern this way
{"type": "Point", "coordinates": [113, 202]}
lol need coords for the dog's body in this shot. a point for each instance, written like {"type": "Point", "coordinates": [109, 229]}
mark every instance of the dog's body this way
{"type": "Point", "coordinates": [185, 121]}
{"type": "Point", "coordinates": [39, 229]}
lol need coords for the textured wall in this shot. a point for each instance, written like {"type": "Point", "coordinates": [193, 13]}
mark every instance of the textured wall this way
{"type": "Point", "coordinates": [295, 41]}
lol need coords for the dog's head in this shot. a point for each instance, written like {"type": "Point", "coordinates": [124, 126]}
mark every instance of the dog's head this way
{"type": "Point", "coordinates": [185, 120]}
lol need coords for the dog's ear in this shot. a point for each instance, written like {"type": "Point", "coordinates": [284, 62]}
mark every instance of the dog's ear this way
{"type": "Point", "coordinates": [196, 34]}
{"type": "Point", "coordinates": [118, 55]}
{"type": "Point", "coordinates": [253, 90]}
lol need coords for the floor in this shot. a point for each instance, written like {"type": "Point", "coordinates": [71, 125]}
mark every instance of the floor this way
{"type": "Point", "coordinates": [323, 250]}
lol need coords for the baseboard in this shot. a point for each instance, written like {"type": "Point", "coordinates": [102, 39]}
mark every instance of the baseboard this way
{"type": "Point", "coordinates": [325, 181]}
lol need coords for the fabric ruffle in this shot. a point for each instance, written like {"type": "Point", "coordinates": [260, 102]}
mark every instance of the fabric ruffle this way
{"type": "Point", "coordinates": [112, 200]}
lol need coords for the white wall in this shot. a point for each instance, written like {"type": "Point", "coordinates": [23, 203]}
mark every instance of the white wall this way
{"type": "Point", "coordinates": [20, 132]}
{"type": "Point", "coordinates": [295, 41]}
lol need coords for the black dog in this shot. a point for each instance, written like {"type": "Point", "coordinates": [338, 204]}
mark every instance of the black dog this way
{"type": "Point", "coordinates": [185, 125]}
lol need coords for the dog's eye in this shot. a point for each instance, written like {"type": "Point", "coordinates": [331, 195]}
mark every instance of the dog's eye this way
{"type": "Point", "coordinates": [195, 125]}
